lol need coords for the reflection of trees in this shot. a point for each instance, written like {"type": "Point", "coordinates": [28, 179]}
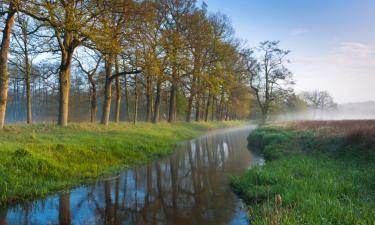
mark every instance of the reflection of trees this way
{"type": "Point", "coordinates": [185, 189]}
{"type": "Point", "coordinates": [160, 190]}
{"type": "Point", "coordinates": [173, 166]}
{"type": "Point", "coordinates": [108, 203]}
{"type": "Point", "coordinates": [64, 209]}
{"type": "Point", "coordinates": [3, 216]}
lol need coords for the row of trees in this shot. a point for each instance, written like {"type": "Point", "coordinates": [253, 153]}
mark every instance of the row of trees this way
{"type": "Point", "coordinates": [143, 49]}
{"type": "Point", "coordinates": [166, 59]}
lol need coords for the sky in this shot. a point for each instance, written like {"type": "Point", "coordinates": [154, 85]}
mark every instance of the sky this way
{"type": "Point", "coordinates": [332, 42]}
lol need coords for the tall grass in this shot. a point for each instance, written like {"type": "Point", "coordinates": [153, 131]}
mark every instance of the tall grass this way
{"type": "Point", "coordinates": [311, 176]}
{"type": "Point", "coordinates": [40, 159]}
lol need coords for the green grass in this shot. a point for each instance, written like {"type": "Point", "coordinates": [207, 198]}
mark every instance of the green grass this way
{"type": "Point", "coordinates": [319, 179]}
{"type": "Point", "coordinates": [41, 159]}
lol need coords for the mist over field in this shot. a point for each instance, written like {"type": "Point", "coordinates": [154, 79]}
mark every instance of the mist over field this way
{"type": "Point", "coordinates": [347, 111]}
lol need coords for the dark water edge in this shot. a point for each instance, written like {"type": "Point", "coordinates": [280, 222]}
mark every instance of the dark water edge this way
{"type": "Point", "coordinates": [189, 187]}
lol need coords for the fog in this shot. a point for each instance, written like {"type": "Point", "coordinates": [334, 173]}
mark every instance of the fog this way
{"type": "Point", "coordinates": [348, 111]}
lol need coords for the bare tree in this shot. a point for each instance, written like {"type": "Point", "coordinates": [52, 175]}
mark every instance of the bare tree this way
{"type": "Point", "coordinates": [318, 100]}
{"type": "Point", "coordinates": [24, 50]}
{"type": "Point", "coordinates": [90, 73]}
{"type": "Point", "coordinates": [269, 78]}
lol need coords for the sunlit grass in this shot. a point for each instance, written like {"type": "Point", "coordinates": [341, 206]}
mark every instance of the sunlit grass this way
{"type": "Point", "coordinates": [320, 179]}
{"type": "Point", "coordinates": [43, 158]}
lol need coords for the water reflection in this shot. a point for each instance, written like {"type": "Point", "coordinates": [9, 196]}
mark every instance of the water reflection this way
{"type": "Point", "coordinates": [188, 188]}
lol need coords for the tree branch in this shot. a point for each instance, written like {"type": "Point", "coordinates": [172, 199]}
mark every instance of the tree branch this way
{"type": "Point", "coordinates": [124, 73]}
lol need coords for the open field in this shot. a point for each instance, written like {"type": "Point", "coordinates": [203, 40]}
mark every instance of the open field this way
{"type": "Point", "coordinates": [342, 127]}
{"type": "Point", "coordinates": [40, 159]}
{"type": "Point", "coordinates": [318, 172]}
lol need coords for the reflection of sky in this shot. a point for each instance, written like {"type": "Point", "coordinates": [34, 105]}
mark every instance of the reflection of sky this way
{"type": "Point", "coordinates": [239, 217]}
{"type": "Point", "coordinates": [332, 41]}
{"type": "Point", "coordinates": [49, 215]}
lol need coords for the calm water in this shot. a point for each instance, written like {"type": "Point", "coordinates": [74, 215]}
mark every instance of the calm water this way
{"type": "Point", "coordinates": [190, 187]}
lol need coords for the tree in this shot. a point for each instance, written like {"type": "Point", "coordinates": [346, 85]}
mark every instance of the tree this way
{"type": "Point", "coordinates": [318, 100]}
{"type": "Point", "coordinates": [220, 75]}
{"type": "Point", "coordinates": [269, 78]}
{"type": "Point", "coordinates": [197, 42]}
{"type": "Point", "coordinates": [174, 44]}
{"type": "Point", "coordinates": [4, 52]}
{"type": "Point", "coordinates": [71, 22]}
{"type": "Point", "coordinates": [24, 50]}
{"type": "Point", "coordinates": [90, 73]}
{"type": "Point", "coordinates": [112, 33]}
{"type": "Point", "coordinates": [292, 106]}
{"type": "Point", "coordinates": [151, 57]}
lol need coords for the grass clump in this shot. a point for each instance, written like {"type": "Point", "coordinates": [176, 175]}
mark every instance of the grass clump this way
{"type": "Point", "coordinates": [44, 158]}
{"type": "Point", "coordinates": [310, 178]}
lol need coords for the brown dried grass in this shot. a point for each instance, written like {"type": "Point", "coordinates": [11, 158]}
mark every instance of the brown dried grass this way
{"type": "Point", "coordinates": [355, 131]}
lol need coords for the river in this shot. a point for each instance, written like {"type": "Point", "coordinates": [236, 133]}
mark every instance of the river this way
{"type": "Point", "coordinates": [189, 187]}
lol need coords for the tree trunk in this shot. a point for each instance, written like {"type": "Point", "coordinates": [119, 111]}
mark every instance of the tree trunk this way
{"type": "Point", "coordinates": [189, 109]}
{"type": "Point", "coordinates": [198, 102]}
{"type": "Point", "coordinates": [28, 94]}
{"type": "Point", "coordinates": [264, 117]}
{"type": "Point", "coordinates": [207, 107]}
{"type": "Point", "coordinates": [227, 111]}
{"type": "Point", "coordinates": [118, 100]}
{"type": "Point", "coordinates": [127, 100]}
{"type": "Point", "coordinates": [213, 108]}
{"type": "Point", "coordinates": [172, 104]}
{"type": "Point", "coordinates": [149, 99]}
{"type": "Point", "coordinates": [191, 98]}
{"type": "Point", "coordinates": [221, 106]}
{"type": "Point", "coordinates": [197, 108]}
{"type": "Point", "coordinates": [4, 74]}
{"type": "Point", "coordinates": [28, 68]}
{"type": "Point", "coordinates": [15, 100]}
{"type": "Point", "coordinates": [107, 91]}
{"type": "Point", "coordinates": [94, 107]}
{"type": "Point", "coordinates": [155, 119]}
{"type": "Point", "coordinates": [203, 107]}
{"type": "Point", "coordinates": [64, 86]}
{"type": "Point", "coordinates": [93, 99]}
{"type": "Point", "coordinates": [135, 116]}
{"type": "Point", "coordinates": [118, 94]}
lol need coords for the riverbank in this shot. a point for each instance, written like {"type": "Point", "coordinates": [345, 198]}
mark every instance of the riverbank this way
{"type": "Point", "coordinates": [40, 159]}
{"type": "Point", "coordinates": [315, 173]}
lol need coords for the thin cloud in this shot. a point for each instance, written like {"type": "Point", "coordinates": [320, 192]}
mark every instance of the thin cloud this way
{"type": "Point", "coordinates": [346, 54]}
{"type": "Point", "coordinates": [298, 31]}
{"type": "Point", "coordinates": [347, 71]}
{"type": "Point", "coordinates": [354, 54]}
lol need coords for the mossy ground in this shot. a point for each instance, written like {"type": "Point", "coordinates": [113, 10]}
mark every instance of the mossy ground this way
{"type": "Point", "coordinates": [44, 158]}
{"type": "Point", "coordinates": [309, 178]}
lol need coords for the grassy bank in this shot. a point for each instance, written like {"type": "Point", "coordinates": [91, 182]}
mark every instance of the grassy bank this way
{"type": "Point", "coordinates": [40, 159]}
{"type": "Point", "coordinates": [315, 173]}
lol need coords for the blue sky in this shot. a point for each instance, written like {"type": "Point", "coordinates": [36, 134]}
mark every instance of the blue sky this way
{"type": "Point", "coordinates": [332, 41]}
